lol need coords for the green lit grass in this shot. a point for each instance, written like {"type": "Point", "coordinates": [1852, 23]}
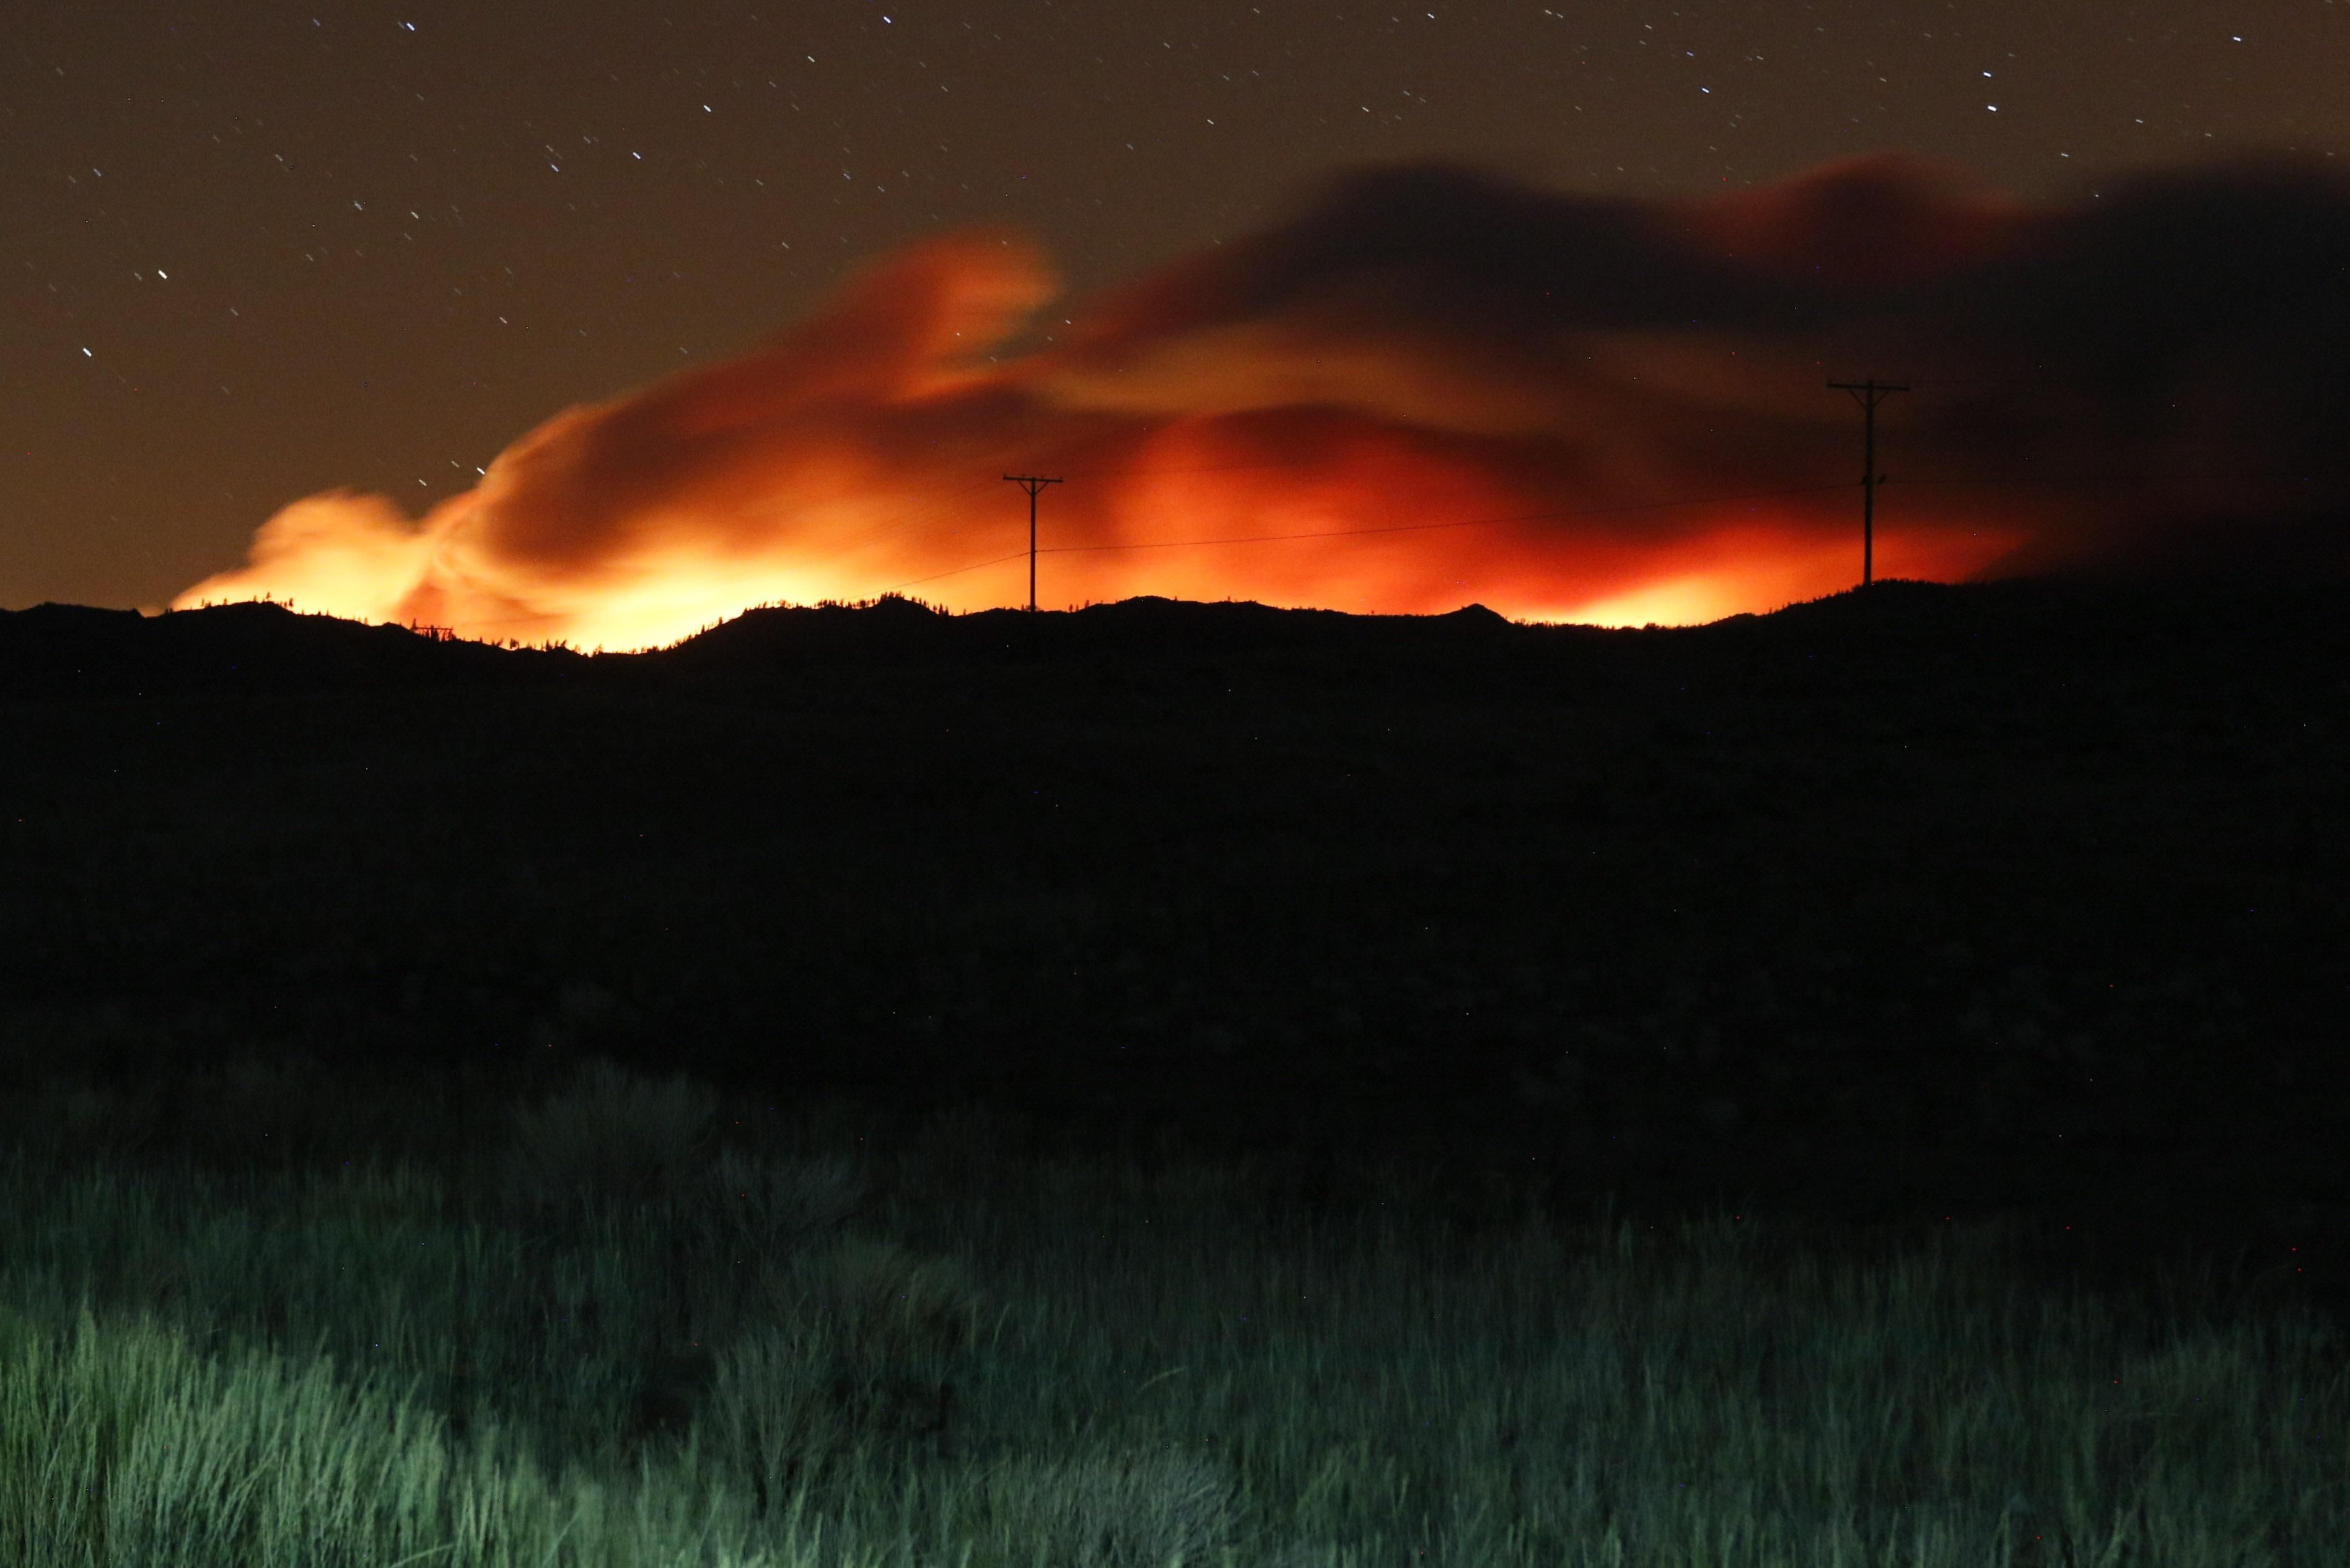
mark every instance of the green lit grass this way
{"type": "Point", "coordinates": [601, 1335]}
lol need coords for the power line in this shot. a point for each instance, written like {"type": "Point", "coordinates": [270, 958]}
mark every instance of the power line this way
{"type": "Point", "coordinates": [1389, 528]}
{"type": "Point", "coordinates": [1456, 522]}
{"type": "Point", "coordinates": [956, 572]}
{"type": "Point", "coordinates": [2086, 479]}
{"type": "Point", "coordinates": [872, 533]}
{"type": "Point", "coordinates": [1867, 394]}
{"type": "Point", "coordinates": [1031, 485]}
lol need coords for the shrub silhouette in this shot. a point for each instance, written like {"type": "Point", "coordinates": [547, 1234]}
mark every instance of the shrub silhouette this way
{"type": "Point", "coordinates": [612, 1139]}
{"type": "Point", "coordinates": [874, 1304]}
{"type": "Point", "coordinates": [766, 1205]}
{"type": "Point", "coordinates": [850, 1364]}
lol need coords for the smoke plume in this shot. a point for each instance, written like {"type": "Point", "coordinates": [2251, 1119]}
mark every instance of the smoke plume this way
{"type": "Point", "coordinates": [1434, 386]}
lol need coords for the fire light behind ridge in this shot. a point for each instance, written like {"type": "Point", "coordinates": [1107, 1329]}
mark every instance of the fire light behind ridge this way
{"type": "Point", "coordinates": [1427, 393]}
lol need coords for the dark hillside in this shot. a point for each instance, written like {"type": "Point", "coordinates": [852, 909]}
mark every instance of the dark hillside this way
{"type": "Point", "coordinates": [1932, 899]}
{"type": "Point", "coordinates": [53, 652]}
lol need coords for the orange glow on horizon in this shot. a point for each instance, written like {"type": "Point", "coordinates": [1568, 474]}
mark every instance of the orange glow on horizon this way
{"type": "Point", "coordinates": [1309, 560]}
{"type": "Point", "coordinates": [1745, 570]}
{"type": "Point", "coordinates": [1305, 420]}
{"type": "Point", "coordinates": [1293, 511]}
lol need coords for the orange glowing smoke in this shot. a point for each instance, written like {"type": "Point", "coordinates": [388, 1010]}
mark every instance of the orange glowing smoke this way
{"type": "Point", "coordinates": [1433, 388]}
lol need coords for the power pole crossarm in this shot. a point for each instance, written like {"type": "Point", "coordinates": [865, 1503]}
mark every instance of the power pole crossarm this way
{"type": "Point", "coordinates": [1867, 394]}
{"type": "Point", "coordinates": [1031, 485]}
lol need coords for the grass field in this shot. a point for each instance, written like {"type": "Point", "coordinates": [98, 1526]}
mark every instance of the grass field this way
{"type": "Point", "coordinates": [628, 1325]}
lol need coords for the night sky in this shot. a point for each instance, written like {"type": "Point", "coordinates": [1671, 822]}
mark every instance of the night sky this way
{"type": "Point", "coordinates": [277, 250]}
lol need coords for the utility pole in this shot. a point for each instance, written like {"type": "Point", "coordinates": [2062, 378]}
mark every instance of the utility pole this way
{"type": "Point", "coordinates": [1031, 485]}
{"type": "Point", "coordinates": [1867, 394]}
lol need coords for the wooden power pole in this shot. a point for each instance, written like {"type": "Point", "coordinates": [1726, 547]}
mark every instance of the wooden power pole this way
{"type": "Point", "coordinates": [1031, 485]}
{"type": "Point", "coordinates": [1867, 394]}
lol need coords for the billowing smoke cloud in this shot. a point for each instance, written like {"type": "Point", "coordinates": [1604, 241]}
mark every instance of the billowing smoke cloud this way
{"type": "Point", "coordinates": [1436, 387]}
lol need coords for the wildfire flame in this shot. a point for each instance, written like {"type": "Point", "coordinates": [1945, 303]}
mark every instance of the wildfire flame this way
{"type": "Point", "coordinates": [1433, 388]}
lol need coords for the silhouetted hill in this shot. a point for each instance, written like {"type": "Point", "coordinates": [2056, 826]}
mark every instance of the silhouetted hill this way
{"type": "Point", "coordinates": [900, 629]}
{"type": "Point", "coordinates": [63, 649]}
{"type": "Point", "coordinates": [66, 649]}
{"type": "Point", "coordinates": [60, 650]}
{"type": "Point", "coordinates": [2021, 894]}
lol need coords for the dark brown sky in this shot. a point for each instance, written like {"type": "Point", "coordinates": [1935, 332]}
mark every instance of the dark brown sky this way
{"type": "Point", "coordinates": [260, 251]}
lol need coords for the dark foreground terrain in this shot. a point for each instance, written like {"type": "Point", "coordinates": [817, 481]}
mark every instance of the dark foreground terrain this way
{"type": "Point", "coordinates": [1918, 902]}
